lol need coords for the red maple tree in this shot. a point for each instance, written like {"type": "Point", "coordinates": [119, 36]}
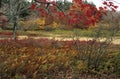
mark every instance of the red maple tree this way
{"type": "Point", "coordinates": [80, 14]}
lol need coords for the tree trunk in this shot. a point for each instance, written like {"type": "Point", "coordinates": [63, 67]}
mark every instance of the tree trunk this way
{"type": "Point", "coordinates": [0, 3]}
{"type": "Point", "coordinates": [14, 30]}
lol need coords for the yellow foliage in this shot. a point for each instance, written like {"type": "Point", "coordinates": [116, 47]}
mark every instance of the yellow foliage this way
{"type": "Point", "coordinates": [55, 24]}
{"type": "Point", "coordinates": [81, 65]}
{"type": "Point", "coordinates": [35, 23]}
{"type": "Point", "coordinates": [21, 23]}
{"type": "Point", "coordinates": [38, 23]}
{"type": "Point", "coordinates": [93, 26]}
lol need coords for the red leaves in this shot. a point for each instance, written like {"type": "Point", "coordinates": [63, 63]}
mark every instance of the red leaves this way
{"type": "Point", "coordinates": [6, 33]}
{"type": "Point", "coordinates": [101, 8]}
{"type": "Point", "coordinates": [32, 7]}
{"type": "Point", "coordinates": [105, 3]}
{"type": "Point", "coordinates": [42, 11]}
{"type": "Point", "coordinates": [115, 7]}
{"type": "Point", "coordinates": [110, 5]}
{"type": "Point", "coordinates": [84, 14]}
{"type": "Point", "coordinates": [79, 13]}
{"type": "Point", "coordinates": [73, 17]}
{"type": "Point", "coordinates": [60, 14]}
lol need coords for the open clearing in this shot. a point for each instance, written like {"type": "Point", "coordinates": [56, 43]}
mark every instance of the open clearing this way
{"type": "Point", "coordinates": [115, 40]}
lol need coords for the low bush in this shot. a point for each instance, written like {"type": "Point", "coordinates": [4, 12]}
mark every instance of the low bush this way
{"type": "Point", "coordinates": [51, 59]}
{"type": "Point", "coordinates": [37, 24]}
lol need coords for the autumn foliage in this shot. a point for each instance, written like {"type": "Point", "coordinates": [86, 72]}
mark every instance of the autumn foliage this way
{"type": "Point", "coordinates": [80, 15]}
{"type": "Point", "coordinates": [53, 59]}
{"type": "Point", "coordinates": [31, 58]}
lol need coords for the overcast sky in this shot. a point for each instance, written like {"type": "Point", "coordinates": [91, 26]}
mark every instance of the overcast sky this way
{"type": "Point", "coordinates": [98, 3]}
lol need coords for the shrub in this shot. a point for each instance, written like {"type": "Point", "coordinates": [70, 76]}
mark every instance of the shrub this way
{"type": "Point", "coordinates": [113, 64]}
{"type": "Point", "coordinates": [34, 24]}
{"type": "Point", "coordinates": [38, 24]}
{"type": "Point", "coordinates": [45, 58]}
{"type": "Point", "coordinates": [33, 62]}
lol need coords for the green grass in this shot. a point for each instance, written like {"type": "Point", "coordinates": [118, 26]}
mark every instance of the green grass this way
{"type": "Point", "coordinates": [62, 33]}
{"type": "Point", "coordinates": [58, 32]}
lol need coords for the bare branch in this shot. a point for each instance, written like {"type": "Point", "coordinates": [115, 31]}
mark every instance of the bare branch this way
{"type": "Point", "coordinates": [48, 3]}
